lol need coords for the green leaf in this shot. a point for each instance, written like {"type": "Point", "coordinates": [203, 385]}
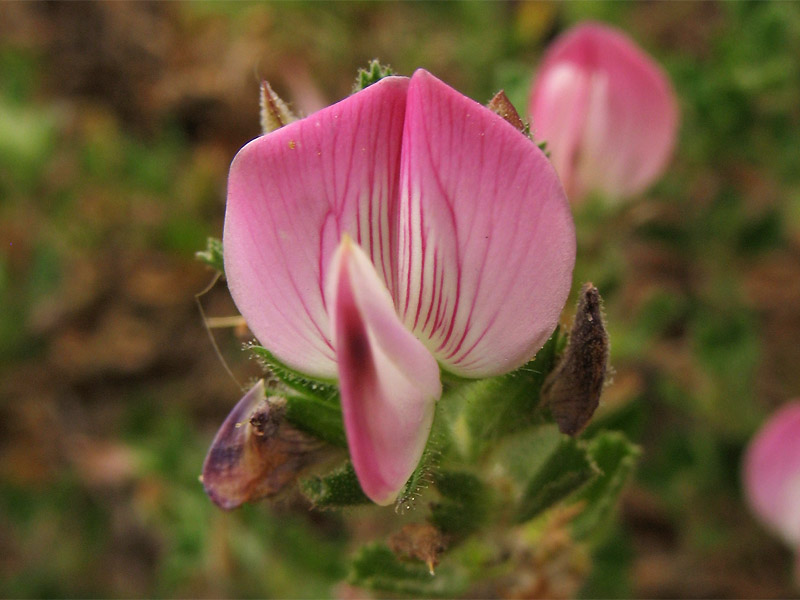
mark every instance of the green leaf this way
{"type": "Point", "coordinates": [374, 72]}
{"type": "Point", "coordinates": [544, 466]}
{"type": "Point", "coordinates": [301, 384]}
{"type": "Point", "coordinates": [524, 454]}
{"type": "Point", "coordinates": [496, 407]}
{"type": "Point", "coordinates": [616, 457]}
{"type": "Point", "coordinates": [465, 504]}
{"type": "Point", "coordinates": [212, 255]}
{"type": "Point", "coordinates": [319, 418]}
{"type": "Point", "coordinates": [610, 576]}
{"type": "Point", "coordinates": [567, 469]}
{"type": "Point", "coordinates": [376, 567]}
{"type": "Point", "coordinates": [336, 489]}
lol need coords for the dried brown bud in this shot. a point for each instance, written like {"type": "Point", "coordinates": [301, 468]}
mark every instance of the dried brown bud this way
{"type": "Point", "coordinates": [573, 389]}
{"type": "Point", "coordinates": [255, 453]}
{"type": "Point", "coordinates": [501, 105]}
{"type": "Point", "coordinates": [421, 541]}
{"type": "Point", "coordinates": [274, 111]}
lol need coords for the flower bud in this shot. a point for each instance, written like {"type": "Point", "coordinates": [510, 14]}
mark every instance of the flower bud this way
{"type": "Point", "coordinates": [573, 389]}
{"type": "Point", "coordinates": [772, 475]}
{"type": "Point", "coordinates": [606, 110]}
{"type": "Point", "coordinates": [256, 453]}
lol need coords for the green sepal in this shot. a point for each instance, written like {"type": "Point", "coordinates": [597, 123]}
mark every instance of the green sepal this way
{"type": "Point", "coordinates": [498, 406]}
{"type": "Point", "coordinates": [616, 458]}
{"type": "Point", "coordinates": [311, 405]}
{"type": "Point", "coordinates": [464, 506]}
{"type": "Point", "coordinates": [374, 72]}
{"type": "Point", "coordinates": [424, 473]}
{"type": "Point", "coordinates": [303, 385]}
{"type": "Point", "coordinates": [212, 255]}
{"type": "Point", "coordinates": [320, 418]}
{"type": "Point", "coordinates": [542, 145]}
{"type": "Point", "coordinates": [419, 480]}
{"type": "Point", "coordinates": [568, 469]}
{"type": "Point", "coordinates": [376, 567]}
{"type": "Point", "coordinates": [337, 489]}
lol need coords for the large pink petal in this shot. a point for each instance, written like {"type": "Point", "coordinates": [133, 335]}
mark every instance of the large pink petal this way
{"type": "Point", "coordinates": [772, 473]}
{"type": "Point", "coordinates": [486, 238]}
{"type": "Point", "coordinates": [292, 194]}
{"type": "Point", "coordinates": [624, 102]}
{"type": "Point", "coordinates": [389, 382]}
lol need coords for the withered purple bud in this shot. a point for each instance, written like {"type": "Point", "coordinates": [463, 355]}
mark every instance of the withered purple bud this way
{"type": "Point", "coordinates": [501, 105]}
{"type": "Point", "coordinates": [573, 388]}
{"type": "Point", "coordinates": [274, 112]}
{"type": "Point", "coordinates": [255, 453]}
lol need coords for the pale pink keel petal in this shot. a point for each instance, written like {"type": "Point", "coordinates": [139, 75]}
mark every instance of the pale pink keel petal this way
{"type": "Point", "coordinates": [486, 238]}
{"type": "Point", "coordinates": [594, 77]}
{"type": "Point", "coordinates": [292, 194]}
{"type": "Point", "coordinates": [772, 473]}
{"type": "Point", "coordinates": [389, 382]}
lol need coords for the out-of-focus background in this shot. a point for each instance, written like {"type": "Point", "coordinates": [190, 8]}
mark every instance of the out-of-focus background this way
{"type": "Point", "coordinates": [117, 125]}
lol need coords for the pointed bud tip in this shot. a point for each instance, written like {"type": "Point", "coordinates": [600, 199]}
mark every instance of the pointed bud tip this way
{"type": "Point", "coordinates": [275, 113]}
{"type": "Point", "coordinates": [502, 106]}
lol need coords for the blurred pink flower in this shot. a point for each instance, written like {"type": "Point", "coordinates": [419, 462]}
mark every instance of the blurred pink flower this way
{"type": "Point", "coordinates": [606, 110]}
{"type": "Point", "coordinates": [402, 227]}
{"type": "Point", "coordinates": [772, 473]}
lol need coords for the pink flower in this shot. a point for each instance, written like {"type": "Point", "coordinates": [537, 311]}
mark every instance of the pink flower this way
{"type": "Point", "coordinates": [606, 110]}
{"type": "Point", "coordinates": [402, 229]}
{"type": "Point", "coordinates": [772, 473]}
